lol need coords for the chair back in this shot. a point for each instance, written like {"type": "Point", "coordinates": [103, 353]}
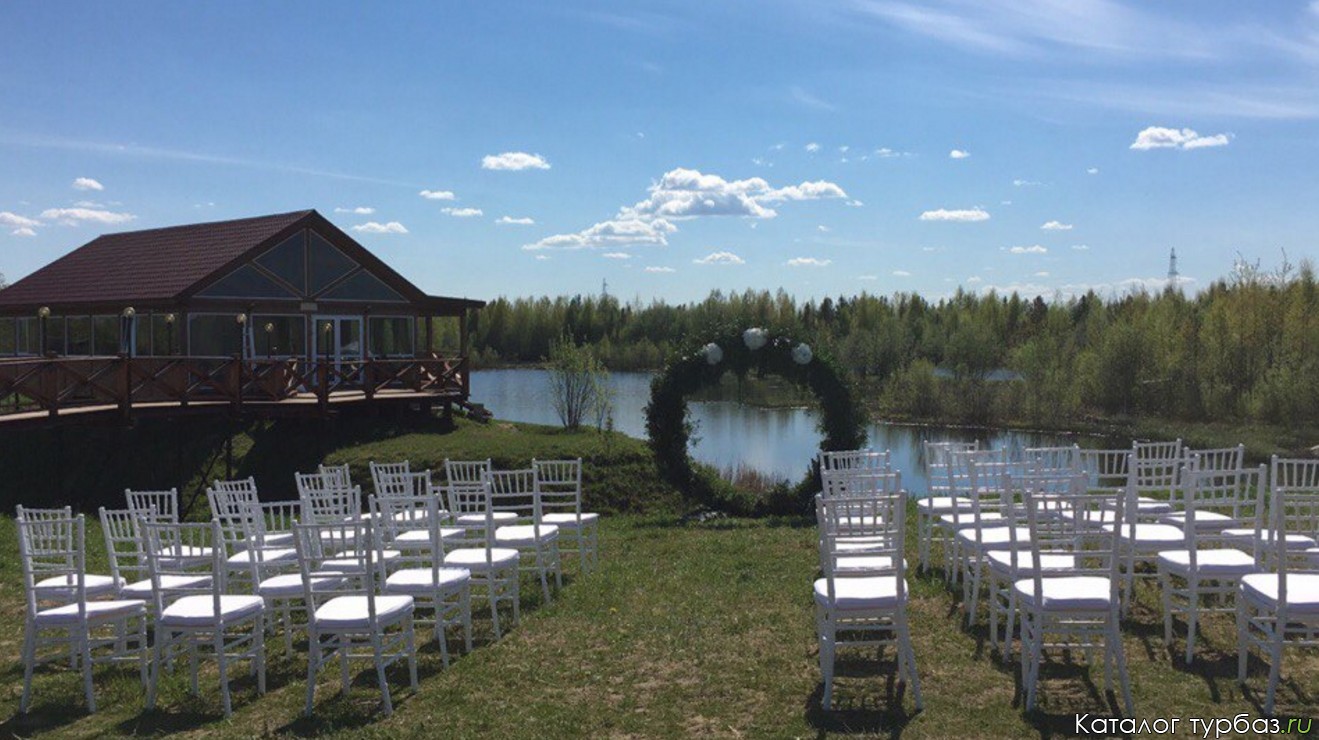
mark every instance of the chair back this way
{"type": "Point", "coordinates": [340, 474]}
{"type": "Point", "coordinates": [159, 503]}
{"type": "Point", "coordinates": [560, 484]}
{"type": "Point", "coordinates": [244, 485]}
{"type": "Point", "coordinates": [1066, 458]}
{"type": "Point", "coordinates": [859, 482]}
{"type": "Point", "coordinates": [1225, 459]}
{"type": "Point", "coordinates": [359, 571]}
{"type": "Point", "coordinates": [382, 474]}
{"type": "Point", "coordinates": [1094, 551]}
{"type": "Point", "coordinates": [318, 482]}
{"type": "Point", "coordinates": [880, 519]}
{"type": "Point", "coordinates": [331, 505]}
{"type": "Point", "coordinates": [516, 491]}
{"type": "Point", "coordinates": [854, 460]}
{"type": "Point", "coordinates": [1294, 504]}
{"type": "Point", "coordinates": [52, 548]}
{"type": "Point", "coordinates": [123, 544]}
{"type": "Point", "coordinates": [169, 546]}
{"type": "Point", "coordinates": [466, 482]}
{"type": "Point", "coordinates": [1157, 465]}
{"type": "Point", "coordinates": [1222, 490]}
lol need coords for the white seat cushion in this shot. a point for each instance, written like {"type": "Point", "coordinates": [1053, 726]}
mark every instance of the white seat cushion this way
{"type": "Point", "coordinates": [569, 521]}
{"type": "Point", "coordinates": [352, 562]}
{"type": "Point", "coordinates": [420, 539]}
{"type": "Point", "coordinates": [1295, 541]}
{"type": "Point", "coordinates": [477, 520]}
{"type": "Point", "coordinates": [1218, 563]}
{"type": "Point", "coordinates": [941, 504]}
{"type": "Point", "coordinates": [143, 589]}
{"type": "Point", "coordinates": [1147, 505]}
{"type": "Point", "coordinates": [1148, 537]}
{"type": "Point", "coordinates": [289, 586]}
{"type": "Point", "coordinates": [862, 544]}
{"type": "Point", "coordinates": [185, 556]}
{"type": "Point", "coordinates": [199, 610]}
{"type": "Point", "coordinates": [269, 556]}
{"type": "Point", "coordinates": [64, 588]}
{"type": "Point", "coordinates": [278, 539]}
{"type": "Point", "coordinates": [965, 519]}
{"type": "Point", "coordinates": [1302, 591]}
{"type": "Point", "coordinates": [97, 611]}
{"type": "Point", "coordinates": [993, 538]}
{"type": "Point", "coordinates": [422, 581]}
{"type": "Point", "coordinates": [852, 594]}
{"type": "Point", "coordinates": [474, 558]}
{"type": "Point", "coordinates": [352, 613]}
{"type": "Point", "coordinates": [1094, 518]}
{"type": "Point", "coordinates": [862, 563]}
{"type": "Point", "coordinates": [1205, 521]}
{"type": "Point", "coordinates": [1066, 593]}
{"type": "Point", "coordinates": [525, 534]}
{"type": "Point", "coordinates": [1000, 561]}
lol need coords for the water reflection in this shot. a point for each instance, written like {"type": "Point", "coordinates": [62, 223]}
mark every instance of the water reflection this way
{"type": "Point", "coordinates": [728, 434]}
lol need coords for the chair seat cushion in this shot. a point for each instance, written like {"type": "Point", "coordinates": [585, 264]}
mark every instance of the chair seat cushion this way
{"type": "Point", "coordinates": [351, 562]}
{"type": "Point", "coordinates": [1294, 540]}
{"type": "Point", "coordinates": [1218, 563]}
{"type": "Point", "coordinates": [859, 564]}
{"type": "Point", "coordinates": [525, 534]}
{"type": "Point", "coordinates": [859, 544]}
{"type": "Point", "coordinates": [965, 519]}
{"type": "Point", "coordinates": [423, 581]}
{"type": "Point", "coordinates": [65, 588]}
{"type": "Point", "coordinates": [185, 556]}
{"type": "Point", "coordinates": [97, 611]}
{"type": "Point", "coordinates": [289, 585]}
{"type": "Point", "coordinates": [994, 538]}
{"type": "Point", "coordinates": [277, 539]}
{"type": "Point", "coordinates": [853, 594]}
{"type": "Point", "coordinates": [1094, 518]}
{"type": "Point", "coordinates": [199, 610]}
{"type": "Point", "coordinates": [1147, 505]}
{"type": "Point", "coordinates": [269, 556]}
{"type": "Point", "coordinates": [1205, 521]}
{"type": "Point", "coordinates": [1302, 591]}
{"type": "Point", "coordinates": [420, 539]}
{"type": "Point", "coordinates": [143, 589]}
{"type": "Point", "coordinates": [474, 558]}
{"type": "Point", "coordinates": [349, 613]}
{"type": "Point", "coordinates": [1000, 561]}
{"type": "Point", "coordinates": [1066, 593]}
{"type": "Point", "coordinates": [569, 521]}
{"type": "Point", "coordinates": [1150, 536]}
{"type": "Point", "coordinates": [941, 504]}
{"type": "Point", "coordinates": [499, 517]}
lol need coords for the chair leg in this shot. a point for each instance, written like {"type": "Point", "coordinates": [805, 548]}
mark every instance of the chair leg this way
{"type": "Point", "coordinates": [344, 678]}
{"type": "Point", "coordinates": [224, 672]}
{"type": "Point", "coordinates": [1011, 618]}
{"type": "Point", "coordinates": [85, 650]}
{"type": "Point", "coordinates": [143, 653]}
{"type": "Point", "coordinates": [1275, 665]}
{"type": "Point", "coordinates": [491, 585]}
{"type": "Point", "coordinates": [1243, 633]}
{"type": "Point", "coordinates": [466, 602]}
{"type": "Point", "coordinates": [1192, 605]}
{"type": "Point", "coordinates": [412, 652]}
{"type": "Point", "coordinates": [1165, 587]}
{"type": "Point", "coordinates": [1120, 654]}
{"type": "Point", "coordinates": [913, 676]}
{"type": "Point", "coordinates": [29, 663]}
{"type": "Point", "coordinates": [260, 660]}
{"type": "Point", "coordinates": [826, 632]}
{"type": "Point", "coordinates": [157, 664]}
{"type": "Point", "coordinates": [380, 675]}
{"type": "Point", "coordinates": [313, 664]}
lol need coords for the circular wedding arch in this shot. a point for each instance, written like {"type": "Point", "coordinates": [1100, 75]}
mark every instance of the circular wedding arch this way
{"type": "Point", "coordinates": [842, 421]}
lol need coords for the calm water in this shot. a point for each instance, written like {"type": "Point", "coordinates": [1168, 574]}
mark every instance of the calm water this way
{"type": "Point", "coordinates": [728, 434]}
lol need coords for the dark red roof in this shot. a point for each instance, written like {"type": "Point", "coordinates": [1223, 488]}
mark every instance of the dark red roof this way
{"type": "Point", "coordinates": [150, 265]}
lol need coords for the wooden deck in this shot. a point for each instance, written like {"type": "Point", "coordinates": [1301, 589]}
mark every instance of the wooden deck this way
{"type": "Point", "coordinates": [46, 391]}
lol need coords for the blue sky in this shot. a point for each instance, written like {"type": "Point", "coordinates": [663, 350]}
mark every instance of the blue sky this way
{"type": "Point", "coordinates": [674, 148]}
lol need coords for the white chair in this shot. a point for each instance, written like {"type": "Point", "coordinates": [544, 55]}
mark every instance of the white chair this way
{"type": "Point", "coordinates": [128, 557]}
{"type": "Point", "coordinates": [989, 526]}
{"type": "Point", "coordinates": [518, 492]}
{"type": "Point", "coordinates": [229, 499]}
{"type": "Point", "coordinates": [1061, 459]}
{"type": "Point", "coordinates": [939, 499]}
{"type": "Point", "coordinates": [381, 472]}
{"type": "Point", "coordinates": [62, 588]}
{"type": "Point", "coordinates": [348, 620]}
{"type": "Point", "coordinates": [1222, 459]}
{"type": "Point", "coordinates": [1277, 609]}
{"type": "Point", "coordinates": [395, 481]}
{"type": "Point", "coordinates": [1155, 466]}
{"type": "Point", "coordinates": [165, 504]}
{"type": "Point", "coordinates": [1203, 568]}
{"type": "Point", "coordinates": [1300, 528]}
{"type": "Point", "coordinates": [1141, 536]}
{"type": "Point", "coordinates": [494, 568]}
{"type": "Point", "coordinates": [1082, 607]}
{"type": "Point", "coordinates": [465, 482]}
{"type": "Point", "coordinates": [560, 484]}
{"type": "Point", "coordinates": [1222, 496]}
{"type": "Point", "coordinates": [965, 487]}
{"type": "Point", "coordinates": [420, 572]}
{"type": "Point", "coordinates": [861, 600]}
{"type": "Point", "coordinates": [854, 460]}
{"type": "Point", "coordinates": [281, 589]}
{"type": "Point", "coordinates": [52, 549]}
{"type": "Point", "coordinates": [197, 617]}
{"type": "Point", "coordinates": [244, 537]}
{"type": "Point", "coordinates": [341, 475]}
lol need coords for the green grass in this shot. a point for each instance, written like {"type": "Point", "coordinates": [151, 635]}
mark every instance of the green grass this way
{"type": "Point", "coordinates": [685, 630]}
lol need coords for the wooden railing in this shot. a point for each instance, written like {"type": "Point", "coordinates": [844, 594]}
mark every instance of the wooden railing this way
{"type": "Point", "coordinates": [53, 385]}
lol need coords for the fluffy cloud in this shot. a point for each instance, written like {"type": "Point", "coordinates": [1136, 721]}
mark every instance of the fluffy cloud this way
{"type": "Point", "coordinates": [514, 162]}
{"type": "Point", "coordinates": [613, 233]}
{"type": "Point", "coordinates": [1019, 183]}
{"type": "Point", "coordinates": [463, 212]}
{"type": "Point", "coordinates": [958, 154]}
{"type": "Point", "coordinates": [358, 211]}
{"type": "Point", "coordinates": [901, 273]}
{"type": "Point", "coordinates": [812, 147]}
{"type": "Point", "coordinates": [15, 220]}
{"type": "Point", "coordinates": [963, 214]}
{"type": "Point", "coordinates": [867, 278]}
{"type": "Point", "coordinates": [78, 215]}
{"type": "Point", "coordinates": [1042, 274]}
{"type": "Point", "coordinates": [375, 227]}
{"type": "Point", "coordinates": [653, 268]}
{"type": "Point", "coordinates": [1081, 247]}
{"type": "Point", "coordinates": [23, 231]}
{"type": "Point", "coordinates": [885, 153]}
{"type": "Point", "coordinates": [436, 194]}
{"type": "Point", "coordinates": [1056, 226]}
{"type": "Point", "coordinates": [1033, 249]}
{"type": "Point", "coordinates": [806, 191]}
{"type": "Point", "coordinates": [521, 221]}
{"type": "Point", "coordinates": [808, 262]}
{"type": "Point", "coordinates": [87, 183]}
{"type": "Point", "coordinates": [1092, 171]}
{"type": "Point", "coordinates": [854, 203]}
{"type": "Point", "coordinates": [975, 279]}
{"type": "Point", "coordinates": [720, 258]}
{"type": "Point", "coordinates": [1158, 137]}
{"type": "Point", "coordinates": [616, 256]}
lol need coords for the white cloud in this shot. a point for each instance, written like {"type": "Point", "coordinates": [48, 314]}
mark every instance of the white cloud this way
{"type": "Point", "coordinates": [720, 258]}
{"type": "Point", "coordinates": [88, 204]}
{"type": "Point", "coordinates": [808, 262]}
{"type": "Point", "coordinates": [520, 221]}
{"type": "Point", "coordinates": [812, 147]}
{"type": "Point", "coordinates": [1032, 249]}
{"type": "Point", "coordinates": [1158, 137]}
{"type": "Point", "coordinates": [463, 212]}
{"type": "Point", "coordinates": [619, 232]}
{"type": "Point", "coordinates": [964, 214]}
{"type": "Point", "coordinates": [542, 257]}
{"type": "Point", "coordinates": [375, 227]}
{"type": "Point", "coordinates": [514, 162]}
{"type": "Point", "coordinates": [1056, 226]}
{"type": "Point", "coordinates": [886, 153]}
{"type": "Point", "coordinates": [975, 279]}
{"type": "Point", "coordinates": [854, 203]}
{"type": "Point", "coordinates": [1042, 274]}
{"type": "Point", "coordinates": [87, 183]}
{"type": "Point", "coordinates": [1092, 171]}
{"type": "Point", "coordinates": [805, 191]}
{"type": "Point", "coordinates": [1026, 183]}
{"type": "Point", "coordinates": [901, 273]}
{"type": "Point", "coordinates": [958, 154]}
{"type": "Point", "coordinates": [1081, 247]}
{"type": "Point", "coordinates": [76, 215]}
{"type": "Point", "coordinates": [23, 231]}
{"type": "Point", "coordinates": [867, 277]}
{"type": "Point", "coordinates": [616, 256]}
{"type": "Point", "coordinates": [843, 149]}
{"type": "Point", "coordinates": [823, 229]}
{"type": "Point", "coordinates": [802, 97]}
{"type": "Point", "coordinates": [13, 219]}
{"type": "Point", "coordinates": [357, 211]}
{"type": "Point", "coordinates": [653, 268]}
{"type": "Point", "coordinates": [436, 194]}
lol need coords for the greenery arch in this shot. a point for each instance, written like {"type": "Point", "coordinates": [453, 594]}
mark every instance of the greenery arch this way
{"type": "Point", "coordinates": [843, 421]}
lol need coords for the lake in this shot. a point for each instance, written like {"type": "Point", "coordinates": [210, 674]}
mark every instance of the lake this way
{"type": "Point", "coordinates": [778, 441]}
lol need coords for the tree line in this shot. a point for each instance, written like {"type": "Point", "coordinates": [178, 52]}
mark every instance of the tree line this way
{"type": "Point", "coordinates": [1244, 348]}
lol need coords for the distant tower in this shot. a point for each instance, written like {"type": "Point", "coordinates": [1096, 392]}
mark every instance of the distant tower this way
{"type": "Point", "coordinates": [1172, 268]}
{"type": "Point", "coordinates": [604, 288]}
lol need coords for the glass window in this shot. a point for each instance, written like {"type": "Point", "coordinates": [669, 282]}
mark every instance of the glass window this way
{"type": "Point", "coordinates": [79, 335]}
{"type": "Point", "coordinates": [280, 336]}
{"type": "Point", "coordinates": [105, 333]}
{"type": "Point", "coordinates": [25, 336]}
{"type": "Point", "coordinates": [391, 337]}
{"type": "Point", "coordinates": [143, 334]}
{"type": "Point", "coordinates": [246, 282]}
{"type": "Point", "coordinates": [288, 261]}
{"type": "Point", "coordinates": [7, 344]}
{"type": "Point", "coordinates": [164, 335]}
{"type": "Point", "coordinates": [326, 263]}
{"type": "Point", "coordinates": [363, 287]}
{"type": "Point", "coordinates": [215, 335]}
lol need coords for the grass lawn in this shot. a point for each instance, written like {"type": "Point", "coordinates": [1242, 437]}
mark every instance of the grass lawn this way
{"type": "Point", "coordinates": [686, 629]}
